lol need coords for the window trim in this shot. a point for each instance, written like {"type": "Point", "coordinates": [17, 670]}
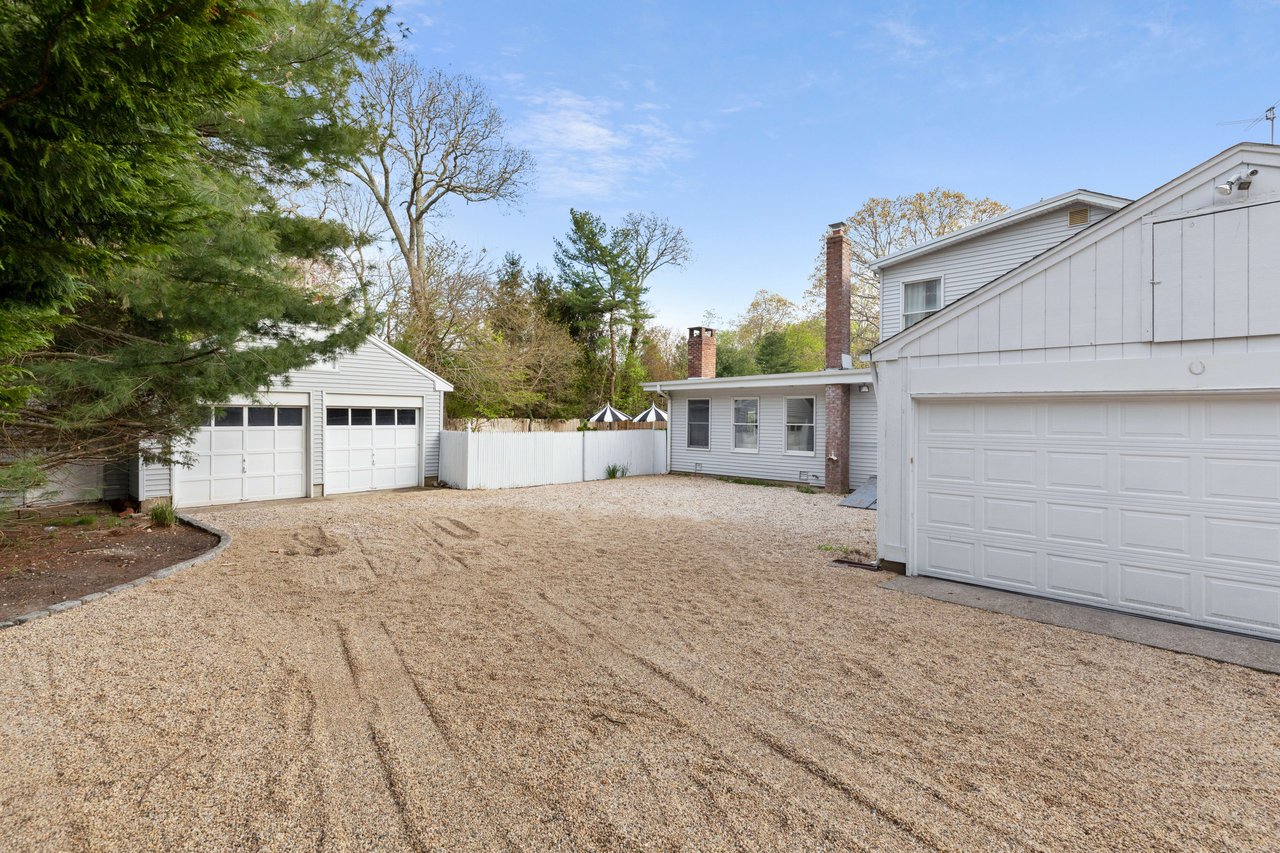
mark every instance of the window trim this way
{"type": "Point", "coordinates": [733, 422]}
{"type": "Point", "coordinates": [813, 425]}
{"type": "Point", "coordinates": [902, 299]}
{"type": "Point", "coordinates": [688, 422]}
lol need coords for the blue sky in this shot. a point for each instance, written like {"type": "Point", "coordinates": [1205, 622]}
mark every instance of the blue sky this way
{"type": "Point", "coordinates": [753, 125]}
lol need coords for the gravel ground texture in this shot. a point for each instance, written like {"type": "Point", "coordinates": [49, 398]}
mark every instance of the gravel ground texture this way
{"type": "Point", "coordinates": [647, 663]}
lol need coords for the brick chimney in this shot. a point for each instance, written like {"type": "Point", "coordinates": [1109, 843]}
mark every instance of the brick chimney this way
{"type": "Point", "coordinates": [702, 353]}
{"type": "Point", "coordinates": [839, 281]}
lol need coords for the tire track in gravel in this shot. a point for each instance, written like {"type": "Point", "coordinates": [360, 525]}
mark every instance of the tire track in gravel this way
{"type": "Point", "coordinates": [733, 694]}
{"type": "Point", "coordinates": [804, 780]}
{"type": "Point", "coordinates": [729, 694]}
{"type": "Point", "coordinates": [408, 744]}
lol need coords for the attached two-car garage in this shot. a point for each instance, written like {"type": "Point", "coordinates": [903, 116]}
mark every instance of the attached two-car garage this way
{"type": "Point", "coordinates": [1167, 506]}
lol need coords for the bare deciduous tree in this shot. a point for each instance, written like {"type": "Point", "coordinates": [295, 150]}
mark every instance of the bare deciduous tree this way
{"type": "Point", "coordinates": [438, 137]}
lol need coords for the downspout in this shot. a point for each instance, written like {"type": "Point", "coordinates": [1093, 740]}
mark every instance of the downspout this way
{"type": "Point", "coordinates": [670, 415]}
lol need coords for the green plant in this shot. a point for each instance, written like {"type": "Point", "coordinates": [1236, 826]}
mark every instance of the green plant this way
{"type": "Point", "coordinates": [163, 515]}
{"type": "Point", "coordinates": [615, 471]}
{"type": "Point", "coordinates": [807, 490]}
{"type": "Point", "coordinates": [75, 521]}
{"type": "Point", "coordinates": [839, 549]}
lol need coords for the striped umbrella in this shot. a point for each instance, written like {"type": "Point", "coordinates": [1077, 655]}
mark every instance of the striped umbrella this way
{"type": "Point", "coordinates": [651, 415]}
{"type": "Point", "coordinates": [608, 415]}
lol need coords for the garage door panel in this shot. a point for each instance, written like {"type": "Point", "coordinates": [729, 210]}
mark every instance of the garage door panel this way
{"type": "Point", "coordinates": [1005, 515]}
{"type": "Point", "coordinates": [1242, 480]}
{"type": "Point", "coordinates": [1076, 577]}
{"type": "Point", "coordinates": [227, 439]}
{"type": "Point", "coordinates": [238, 462]}
{"type": "Point", "coordinates": [1086, 471]}
{"type": "Point", "coordinates": [1242, 605]}
{"type": "Point", "coordinates": [1010, 566]}
{"type": "Point", "coordinates": [1078, 419]}
{"type": "Point", "coordinates": [1242, 540]}
{"type": "Point", "coordinates": [1155, 475]}
{"type": "Point", "coordinates": [1014, 467]}
{"type": "Point", "coordinates": [949, 557]}
{"type": "Point", "coordinates": [952, 463]}
{"type": "Point", "coordinates": [1076, 523]}
{"type": "Point", "coordinates": [1165, 506]}
{"type": "Point", "coordinates": [1159, 589]}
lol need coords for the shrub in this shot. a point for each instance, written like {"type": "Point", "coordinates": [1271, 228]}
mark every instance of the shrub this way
{"type": "Point", "coordinates": [615, 471]}
{"type": "Point", "coordinates": [163, 515]}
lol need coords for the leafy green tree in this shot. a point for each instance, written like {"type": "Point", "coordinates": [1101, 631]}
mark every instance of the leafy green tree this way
{"type": "Point", "coordinates": [733, 358]}
{"type": "Point", "coordinates": [144, 147]}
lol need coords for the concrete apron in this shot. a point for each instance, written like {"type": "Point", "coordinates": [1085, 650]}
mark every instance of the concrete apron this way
{"type": "Point", "coordinates": [1252, 652]}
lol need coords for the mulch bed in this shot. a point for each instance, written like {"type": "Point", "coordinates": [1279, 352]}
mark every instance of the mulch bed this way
{"type": "Point", "coordinates": [60, 553]}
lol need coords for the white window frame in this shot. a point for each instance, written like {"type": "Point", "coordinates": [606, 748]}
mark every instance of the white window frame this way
{"type": "Point", "coordinates": [733, 416]}
{"type": "Point", "coordinates": [812, 425]}
{"type": "Point", "coordinates": [923, 315]}
{"type": "Point", "coordinates": [688, 421]}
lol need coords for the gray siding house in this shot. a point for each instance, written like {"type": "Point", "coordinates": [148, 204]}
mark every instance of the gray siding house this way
{"type": "Point", "coordinates": [1101, 424]}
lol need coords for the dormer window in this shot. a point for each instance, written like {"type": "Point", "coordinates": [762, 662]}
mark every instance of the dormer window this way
{"type": "Point", "coordinates": [920, 299]}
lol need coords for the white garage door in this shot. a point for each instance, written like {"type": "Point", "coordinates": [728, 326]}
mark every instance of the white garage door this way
{"type": "Point", "coordinates": [367, 449]}
{"type": "Point", "coordinates": [1168, 507]}
{"type": "Point", "coordinates": [248, 453]}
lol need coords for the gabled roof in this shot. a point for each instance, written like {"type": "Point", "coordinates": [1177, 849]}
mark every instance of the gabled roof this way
{"type": "Point", "coordinates": [764, 380]}
{"type": "Point", "coordinates": [1091, 233]}
{"type": "Point", "coordinates": [1013, 217]}
{"type": "Point", "coordinates": [441, 383]}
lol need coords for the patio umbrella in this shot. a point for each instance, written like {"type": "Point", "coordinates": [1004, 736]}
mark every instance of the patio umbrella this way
{"type": "Point", "coordinates": [608, 415]}
{"type": "Point", "coordinates": [651, 415]}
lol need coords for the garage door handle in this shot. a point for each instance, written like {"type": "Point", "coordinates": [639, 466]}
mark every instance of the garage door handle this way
{"type": "Point", "coordinates": [244, 465]}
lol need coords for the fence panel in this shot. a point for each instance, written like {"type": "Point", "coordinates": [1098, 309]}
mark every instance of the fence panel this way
{"type": "Point", "coordinates": [494, 460]}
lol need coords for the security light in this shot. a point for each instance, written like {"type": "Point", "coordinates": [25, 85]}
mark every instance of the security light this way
{"type": "Point", "coordinates": [1239, 181]}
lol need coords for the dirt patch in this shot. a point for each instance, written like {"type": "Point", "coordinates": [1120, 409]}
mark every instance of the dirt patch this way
{"type": "Point", "coordinates": [646, 663]}
{"type": "Point", "coordinates": [63, 553]}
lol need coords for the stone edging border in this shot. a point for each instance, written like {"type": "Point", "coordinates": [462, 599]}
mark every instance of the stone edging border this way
{"type": "Point", "coordinates": [224, 539]}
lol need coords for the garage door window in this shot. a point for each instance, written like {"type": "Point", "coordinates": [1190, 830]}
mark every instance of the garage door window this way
{"type": "Point", "coordinates": [385, 417]}
{"type": "Point", "coordinates": [406, 417]}
{"type": "Point", "coordinates": [362, 417]}
{"type": "Point", "coordinates": [229, 417]}
{"type": "Point", "coordinates": [263, 416]}
{"type": "Point", "coordinates": [337, 417]}
{"type": "Point", "coordinates": [289, 416]}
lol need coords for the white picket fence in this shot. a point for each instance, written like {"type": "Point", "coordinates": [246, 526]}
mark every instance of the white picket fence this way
{"type": "Point", "coordinates": [505, 460]}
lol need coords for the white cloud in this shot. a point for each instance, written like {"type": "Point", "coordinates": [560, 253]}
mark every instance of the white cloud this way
{"type": "Point", "coordinates": [594, 147]}
{"type": "Point", "coordinates": [903, 33]}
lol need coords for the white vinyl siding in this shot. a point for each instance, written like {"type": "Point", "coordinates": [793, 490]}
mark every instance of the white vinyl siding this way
{"type": "Point", "coordinates": [746, 424]}
{"type": "Point", "coordinates": [972, 263]}
{"type": "Point", "coordinates": [862, 435]}
{"type": "Point", "coordinates": [800, 439]}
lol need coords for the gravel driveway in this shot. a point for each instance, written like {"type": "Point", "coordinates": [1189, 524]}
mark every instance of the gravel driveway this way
{"type": "Point", "coordinates": [645, 663]}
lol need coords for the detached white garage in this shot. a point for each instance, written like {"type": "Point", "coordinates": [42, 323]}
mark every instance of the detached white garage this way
{"type": "Point", "coordinates": [1102, 424]}
{"type": "Point", "coordinates": [370, 420]}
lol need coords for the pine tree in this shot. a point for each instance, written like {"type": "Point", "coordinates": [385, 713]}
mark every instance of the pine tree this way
{"type": "Point", "coordinates": [144, 150]}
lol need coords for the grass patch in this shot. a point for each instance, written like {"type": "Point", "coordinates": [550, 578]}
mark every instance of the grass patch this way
{"type": "Point", "coordinates": [616, 471]}
{"type": "Point", "coordinates": [844, 550]}
{"type": "Point", "coordinates": [750, 481]}
{"type": "Point", "coordinates": [74, 521]}
{"type": "Point", "coordinates": [163, 515]}
{"type": "Point", "coordinates": [806, 490]}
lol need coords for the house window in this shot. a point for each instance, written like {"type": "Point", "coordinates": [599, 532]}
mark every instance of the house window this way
{"type": "Point", "coordinates": [746, 424]}
{"type": "Point", "coordinates": [920, 299]}
{"type": "Point", "coordinates": [699, 425]}
{"type": "Point", "coordinates": [800, 425]}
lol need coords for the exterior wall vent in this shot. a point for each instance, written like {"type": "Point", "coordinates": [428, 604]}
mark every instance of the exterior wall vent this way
{"type": "Point", "coordinates": [1077, 216]}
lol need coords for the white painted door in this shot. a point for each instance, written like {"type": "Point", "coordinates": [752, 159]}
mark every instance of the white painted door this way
{"type": "Point", "coordinates": [371, 448]}
{"type": "Point", "coordinates": [1168, 507]}
{"type": "Point", "coordinates": [247, 453]}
